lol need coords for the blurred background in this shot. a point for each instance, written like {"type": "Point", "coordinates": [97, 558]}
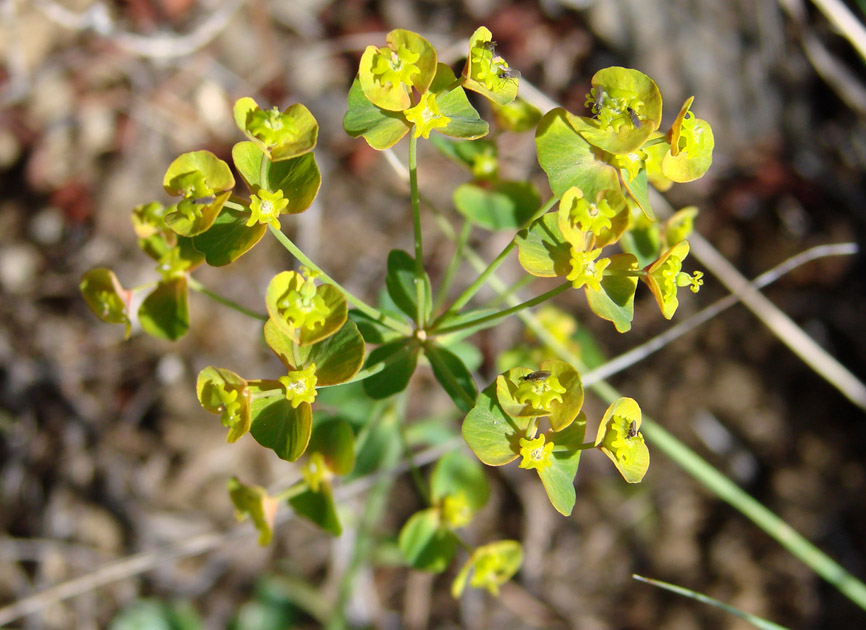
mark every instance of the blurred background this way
{"type": "Point", "coordinates": [106, 453]}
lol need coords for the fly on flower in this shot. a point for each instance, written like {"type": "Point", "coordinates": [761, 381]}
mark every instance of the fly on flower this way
{"type": "Point", "coordinates": [634, 118]}
{"type": "Point", "coordinates": [203, 201]}
{"type": "Point", "coordinates": [536, 376]}
{"type": "Point", "coordinates": [632, 430]}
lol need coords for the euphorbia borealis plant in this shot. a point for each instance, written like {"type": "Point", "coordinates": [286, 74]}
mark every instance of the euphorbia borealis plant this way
{"type": "Point", "coordinates": [598, 232]}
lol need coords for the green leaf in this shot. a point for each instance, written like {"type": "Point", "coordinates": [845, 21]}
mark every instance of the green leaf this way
{"type": "Point", "coordinates": [318, 507]}
{"type": "Point", "coordinates": [558, 478]}
{"type": "Point", "coordinates": [504, 205]}
{"type": "Point", "coordinates": [454, 377]}
{"type": "Point", "coordinates": [146, 614]}
{"type": "Point", "coordinates": [425, 544]}
{"type": "Point", "coordinates": [253, 501]}
{"type": "Point", "coordinates": [372, 330]}
{"type": "Point", "coordinates": [379, 127]}
{"type": "Point", "coordinates": [334, 439]}
{"type": "Point", "coordinates": [465, 122]}
{"type": "Point", "coordinates": [542, 250]}
{"type": "Point", "coordinates": [615, 301]}
{"type": "Point", "coordinates": [228, 238]}
{"type": "Point", "coordinates": [298, 178]}
{"type": "Point", "coordinates": [480, 156]}
{"type": "Point", "coordinates": [492, 434]}
{"type": "Point", "coordinates": [105, 297]}
{"type": "Point", "coordinates": [275, 424]}
{"type": "Point", "coordinates": [563, 413]}
{"type": "Point", "coordinates": [400, 282]}
{"type": "Point", "coordinates": [568, 159]}
{"type": "Point", "coordinates": [455, 475]}
{"type": "Point", "coordinates": [165, 312]}
{"type": "Point", "coordinates": [395, 377]}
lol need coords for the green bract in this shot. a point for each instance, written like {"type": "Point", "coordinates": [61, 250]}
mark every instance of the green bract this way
{"type": "Point", "coordinates": [628, 108]}
{"type": "Point", "coordinates": [664, 276]}
{"type": "Point", "coordinates": [253, 501]}
{"type": "Point", "coordinates": [489, 567]}
{"type": "Point", "coordinates": [517, 116]}
{"type": "Point", "coordinates": [331, 452]}
{"type": "Point", "coordinates": [224, 392]}
{"type": "Point", "coordinates": [205, 182]}
{"type": "Point", "coordinates": [105, 296]}
{"type": "Point", "coordinates": [281, 135]}
{"type": "Point", "coordinates": [305, 312]}
{"type": "Point", "coordinates": [543, 250]}
{"type": "Point", "coordinates": [154, 236]}
{"type": "Point", "coordinates": [620, 439]}
{"type": "Point", "coordinates": [569, 159]}
{"type": "Point", "coordinates": [486, 72]}
{"type": "Point", "coordinates": [614, 299]}
{"type": "Point", "coordinates": [337, 358]}
{"type": "Point", "coordinates": [275, 423]}
{"type": "Point", "coordinates": [387, 75]}
{"type": "Point", "coordinates": [691, 147]}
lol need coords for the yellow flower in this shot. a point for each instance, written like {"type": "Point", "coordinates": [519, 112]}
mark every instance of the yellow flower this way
{"type": "Point", "coordinates": [426, 116]}
{"type": "Point", "coordinates": [265, 208]}
{"type": "Point", "coordinates": [536, 454]}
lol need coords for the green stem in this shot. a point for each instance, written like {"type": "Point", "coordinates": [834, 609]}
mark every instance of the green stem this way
{"type": "Point", "coordinates": [453, 266]}
{"type": "Point", "coordinates": [756, 621]}
{"type": "Point", "coordinates": [417, 477]}
{"type": "Point", "coordinates": [390, 322]}
{"type": "Point", "coordinates": [416, 222]}
{"type": "Point", "coordinates": [473, 288]}
{"type": "Point", "coordinates": [197, 286]}
{"type": "Point", "coordinates": [291, 492]}
{"type": "Point", "coordinates": [495, 317]}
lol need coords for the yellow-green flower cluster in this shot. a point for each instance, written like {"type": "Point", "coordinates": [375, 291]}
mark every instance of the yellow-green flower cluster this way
{"type": "Point", "coordinates": [300, 385]}
{"type": "Point", "coordinates": [539, 393]}
{"type": "Point", "coordinates": [589, 216]}
{"type": "Point", "coordinates": [426, 116]}
{"type": "Point", "coordinates": [315, 471]}
{"type": "Point", "coordinates": [535, 453]}
{"type": "Point", "coordinates": [391, 67]}
{"type": "Point", "coordinates": [616, 108]}
{"type": "Point", "coordinates": [271, 126]}
{"type": "Point", "coordinates": [303, 308]}
{"type": "Point", "coordinates": [586, 270]}
{"type": "Point", "coordinates": [265, 208]}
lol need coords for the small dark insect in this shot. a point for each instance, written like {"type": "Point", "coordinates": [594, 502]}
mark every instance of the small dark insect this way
{"type": "Point", "coordinates": [634, 119]}
{"type": "Point", "coordinates": [203, 201]}
{"type": "Point", "coordinates": [632, 430]}
{"type": "Point", "coordinates": [508, 73]}
{"type": "Point", "coordinates": [535, 376]}
{"type": "Point", "coordinates": [491, 45]}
